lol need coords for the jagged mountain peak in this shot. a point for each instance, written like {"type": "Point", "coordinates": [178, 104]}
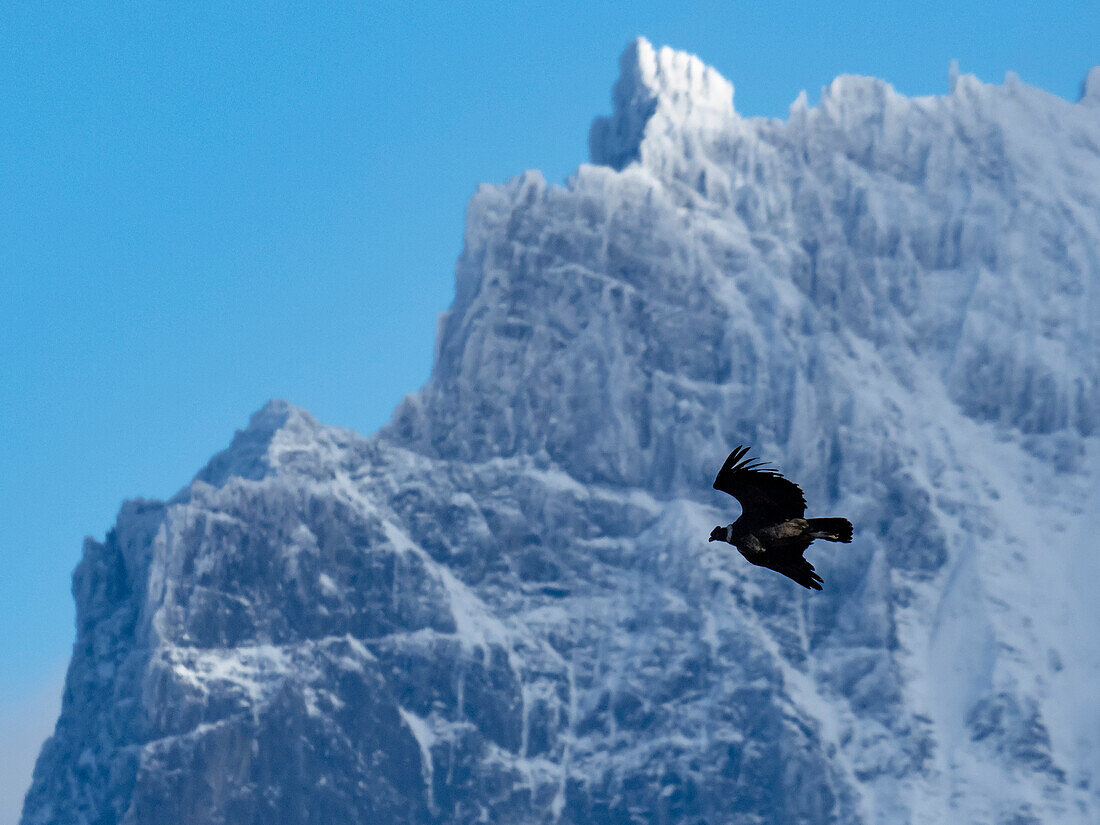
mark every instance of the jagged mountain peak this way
{"type": "Point", "coordinates": [657, 89]}
{"type": "Point", "coordinates": [276, 434]}
{"type": "Point", "coordinates": [275, 414]}
{"type": "Point", "coordinates": [902, 231]}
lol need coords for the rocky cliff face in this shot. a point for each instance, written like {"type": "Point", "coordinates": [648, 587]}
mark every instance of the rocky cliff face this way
{"type": "Point", "coordinates": [503, 607]}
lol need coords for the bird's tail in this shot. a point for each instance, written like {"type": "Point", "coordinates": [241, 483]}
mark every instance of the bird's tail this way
{"type": "Point", "coordinates": [831, 529]}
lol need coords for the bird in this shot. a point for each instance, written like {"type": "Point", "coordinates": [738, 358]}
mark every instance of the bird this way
{"type": "Point", "coordinates": [771, 530]}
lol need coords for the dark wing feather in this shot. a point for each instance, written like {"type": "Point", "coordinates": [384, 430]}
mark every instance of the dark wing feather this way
{"type": "Point", "coordinates": [802, 573]}
{"type": "Point", "coordinates": [789, 561]}
{"type": "Point", "coordinates": [766, 497]}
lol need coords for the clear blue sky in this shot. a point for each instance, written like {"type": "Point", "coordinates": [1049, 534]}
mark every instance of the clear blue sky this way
{"type": "Point", "coordinates": [202, 207]}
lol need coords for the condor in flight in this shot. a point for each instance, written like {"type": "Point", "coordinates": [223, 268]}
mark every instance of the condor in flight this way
{"type": "Point", "coordinates": [771, 531]}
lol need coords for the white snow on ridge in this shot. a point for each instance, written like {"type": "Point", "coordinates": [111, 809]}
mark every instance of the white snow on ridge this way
{"type": "Point", "coordinates": [422, 732]}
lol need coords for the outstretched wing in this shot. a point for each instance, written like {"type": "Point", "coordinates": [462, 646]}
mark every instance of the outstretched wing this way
{"type": "Point", "coordinates": [766, 497]}
{"type": "Point", "coordinates": [791, 563]}
{"type": "Point", "coordinates": [802, 572]}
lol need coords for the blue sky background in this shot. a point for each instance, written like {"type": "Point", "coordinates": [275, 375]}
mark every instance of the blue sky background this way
{"type": "Point", "coordinates": [205, 206]}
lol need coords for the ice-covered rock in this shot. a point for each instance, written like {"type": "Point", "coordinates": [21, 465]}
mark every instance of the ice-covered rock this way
{"type": "Point", "coordinates": [662, 97]}
{"type": "Point", "coordinates": [503, 607]}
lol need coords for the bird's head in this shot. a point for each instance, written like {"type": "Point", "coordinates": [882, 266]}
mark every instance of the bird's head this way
{"type": "Point", "coordinates": [718, 534]}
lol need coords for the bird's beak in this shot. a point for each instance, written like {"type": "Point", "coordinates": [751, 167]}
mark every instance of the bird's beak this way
{"type": "Point", "coordinates": [712, 538]}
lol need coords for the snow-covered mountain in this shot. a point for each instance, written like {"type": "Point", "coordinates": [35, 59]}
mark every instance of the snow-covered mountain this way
{"type": "Point", "coordinates": [503, 607]}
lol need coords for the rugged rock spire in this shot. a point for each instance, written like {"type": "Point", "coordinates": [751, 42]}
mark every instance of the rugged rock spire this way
{"type": "Point", "coordinates": [659, 93]}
